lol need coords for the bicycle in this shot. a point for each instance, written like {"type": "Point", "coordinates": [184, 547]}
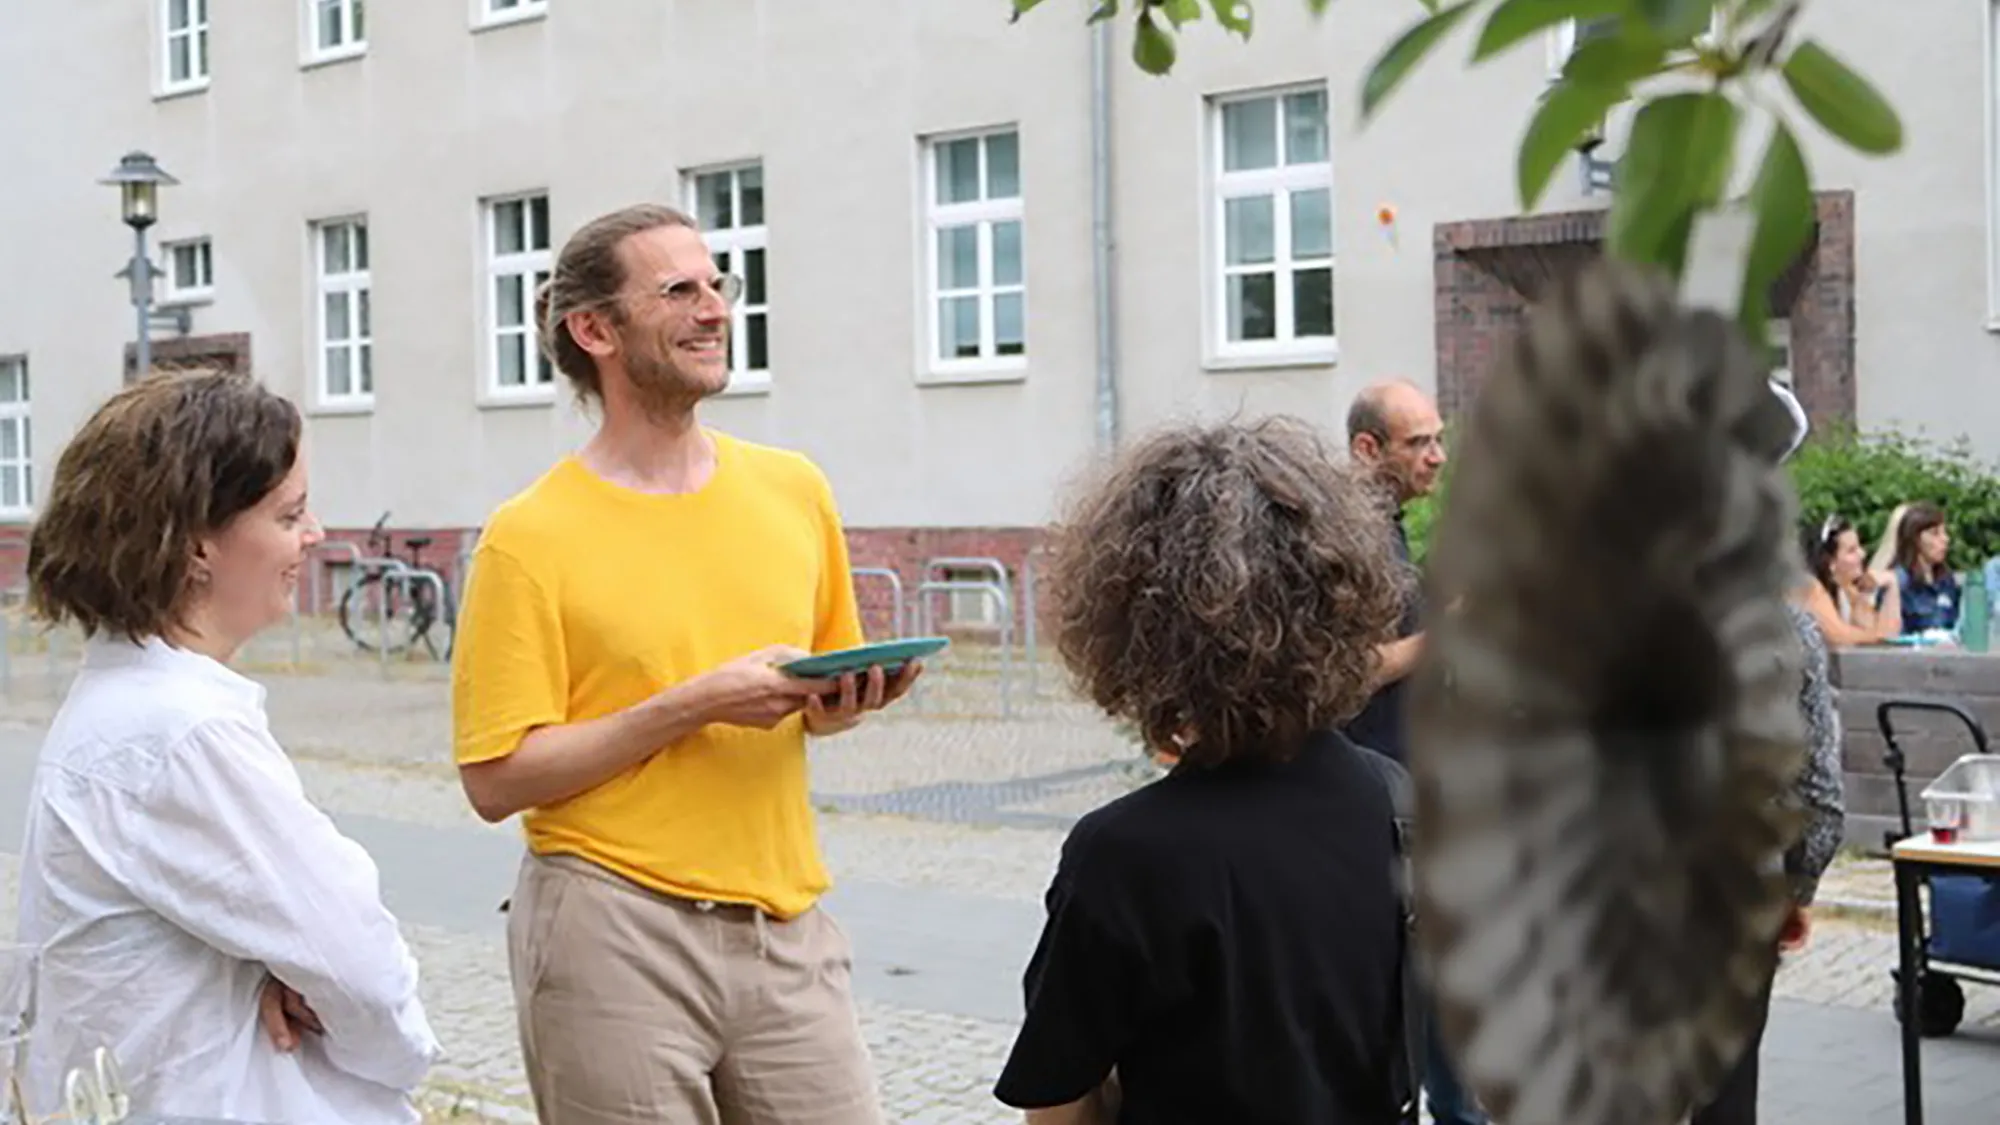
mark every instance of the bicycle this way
{"type": "Point", "coordinates": [396, 604]}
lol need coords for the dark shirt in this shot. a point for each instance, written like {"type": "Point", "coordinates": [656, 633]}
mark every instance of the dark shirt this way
{"type": "Point", "coordinates": [1228, 940]}
{"type": "Point", "coordinates": [1928, 605]}
{"type": "Point", "coordinates": [1379, 726]}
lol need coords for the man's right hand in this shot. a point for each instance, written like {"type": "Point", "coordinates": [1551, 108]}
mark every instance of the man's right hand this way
{"type": "Point", "coordinates": [750, 691]}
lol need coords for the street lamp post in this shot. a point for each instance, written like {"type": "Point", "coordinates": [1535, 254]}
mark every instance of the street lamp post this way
{"type": "Point", "coordinates": [139, 179]}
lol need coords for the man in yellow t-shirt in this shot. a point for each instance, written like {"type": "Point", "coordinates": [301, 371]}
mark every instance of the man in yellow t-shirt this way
{"type": "Point", "coordinates": [615, 680]}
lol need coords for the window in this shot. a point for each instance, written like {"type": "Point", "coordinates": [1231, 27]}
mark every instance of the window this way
{"type": "Point", "coordinates": [346, 352]}
{"type": "Point", "coordinates": [17, 450]}
{"type": "Point", "coordinates": [1274, 219]}
{"type": "Point", "coordinates": [190, 271]}
{"type": "Point", "coordinates": [510, 11]}
{"type": "Point", "coordinates": [978, 288]}
{"type": "Point", "coordinates": [517, 262]}
{"type": "Point", "coordinates": [184, 61]}
{"type": "Point", "coordinates": [338, 30]}
{"type": "Point", "coordinates": [729, 203]}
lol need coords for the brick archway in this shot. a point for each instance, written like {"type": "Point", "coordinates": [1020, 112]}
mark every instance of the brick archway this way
{"type": "Point", "coordinates": [1489, 270]}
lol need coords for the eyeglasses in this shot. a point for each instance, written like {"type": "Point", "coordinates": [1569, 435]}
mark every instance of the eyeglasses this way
{"type": "Point", "coordinates": [686, 292]}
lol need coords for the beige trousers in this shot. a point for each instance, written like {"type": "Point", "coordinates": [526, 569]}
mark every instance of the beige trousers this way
{"type": "Point", "coordinates": [640, 1007]}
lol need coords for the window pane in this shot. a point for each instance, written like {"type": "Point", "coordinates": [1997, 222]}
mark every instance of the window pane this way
{"type": "Point", "coordinates": [1253, 307]}
{"type": "Point", "coordinates": [1312, 223]}
{"type": "Point", "coordinates": [1305, 127]}
{"type": "Point", "coordinates": [360, 237]}
{"type": "Point", "coordinates": [336, 317]}
{"type": "Point", "coordinates": [512, 366]}
{"type": "Point", "coordinates": [180, 55]}
{"type": "Point", "coordinates": [183, 267]}
{"type": "Point", "coordinates": [545, 372]}
{"type": "Point", "coordinates": [367, 369]}
{"type": "Point", "coordinates": [507, 301]}
{"type": "Point", "coordinates": [12, 376]}
{"type": "Point", "coordinates": [1007, 253]}
{"type": "Point", "coordinates": [333, 248]}
{"type": "Point", "coordinates": [958, 328]}
{"type": "Point", "coordinates": [1003, 166]}
{"type": "Point", "coordinates": [358, 27]}
{"type": "Point", "coordinates": [362, 297]}
{"type": "Point", "coordinates": [750, 185]}
{"type": "Point", "coordinates": [204, 256]}
{"type": "Point", "coordinates": [958, 258]}
{"type": "Point", "coordinates": [10, 440]}
{"type": "Point", "coordinates": [502, 5]}
{"type": "Point", "coordinates": [201, 52]}
{"type": "Point", "coordinates": [958, 171]}
{"type": "Point", "coordinates": [712, 203]}
{"type": "Point", "coordinates": [1248, 237]}
{"type": "Point", "coordinates": [753, 277]}
{"type": "Point", "coordinates": [201, 12]}
{"type": "Point", "coordinates": [1312, 302]}
{"type": "Point", "coordinates": [1009, 324]}
{"type": "Point", "coordinates": [538, 214]}
{"type": "Point", "coordinates": [755, 330]}
{"type": "Point", "coordinates": [329, 23]}
{"type": "Point", "coordinates": [177, 14]}
{"type": "Point", "coordinates": [339, 379]}
{"type": "Point", "coordinates": [10, 487]}
{"type": "Point", "coordinates": [507, 218]}
{"type": "Point", "coordinates": [1250, 134]}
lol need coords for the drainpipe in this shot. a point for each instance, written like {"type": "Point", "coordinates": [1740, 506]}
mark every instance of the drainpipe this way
{"type": "Point", "coordinates": [1101, 233]}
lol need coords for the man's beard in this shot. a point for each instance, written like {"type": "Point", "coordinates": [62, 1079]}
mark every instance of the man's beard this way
{"type": "Point", "coordinates": [662, 387]}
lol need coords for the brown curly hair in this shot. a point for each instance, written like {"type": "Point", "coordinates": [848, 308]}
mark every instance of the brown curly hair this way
{"type": "Point", "coordinates": [164, 461]}
{"type": "Point", "coordinates": [1225, 587]}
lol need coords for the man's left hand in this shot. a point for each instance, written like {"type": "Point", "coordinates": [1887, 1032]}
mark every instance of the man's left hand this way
{"type": "Point", "coordinates": [859, 694]}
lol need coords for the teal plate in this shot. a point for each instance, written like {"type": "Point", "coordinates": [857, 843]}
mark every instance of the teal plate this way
{"type": "Point", "coordinates": [888, 654]}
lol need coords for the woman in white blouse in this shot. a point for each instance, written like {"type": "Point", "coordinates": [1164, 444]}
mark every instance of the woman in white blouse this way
{"type": "Point", "coordinates": [197, 914]}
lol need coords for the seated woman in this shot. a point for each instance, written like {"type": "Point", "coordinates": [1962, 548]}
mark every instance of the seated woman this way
{"type": "Point", "coordinates": [1925, 584]}
{"type": "Point", "coordinates": [1850, 604]}
{"type": "Point", "coordinates": [196, 914]}
{"type": "Point", "coordinates": [1223, 945]}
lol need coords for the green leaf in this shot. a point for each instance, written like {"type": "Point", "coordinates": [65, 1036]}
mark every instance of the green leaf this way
{"type": "Point", "coordinates": [1406, 52]}
{"type": "Point", "coordinates": [1105, 10]}
{"type": "Point", "coordinates": [1677, 21]}
{"type": "Point", "coordinates": [1022, 8]}
{"type": "Point", "coordinates": [1842, 101]}
{"type": "Point", "coordinates": [1619, 60]}
{"type": "Point", "coordinates": [1181, 12]}
{"type": "Point", "coordinates": [1782, 200]}
{"type": "Point", "coordinates": [1153, 50]}
{"type": "Point", "coordinates": [1568, 111]}
{"type": "Point", "coordinates": [1515, 20]}
{"type": "Point", "coordinates": [1319, 7]}
{"type": "Point", "coordinates": [1233, 15]}
{"type": "Point", "coordinates": [1676, 161]}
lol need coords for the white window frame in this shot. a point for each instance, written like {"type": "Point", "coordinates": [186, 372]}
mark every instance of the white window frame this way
{"type": "Point", "coordinates": [351, 46]}
{"type": "Point", "coordinates": [489, 13]}
{"type": "Point", "coordinates": [1992, 102]}
{"type": "Point", "coordinates": [527, 265]}
{"type": "Point", "coordinates": [196, 36]}
{"type": "Point", "coordinates": [984, 214]}
{"type": "Point", "coordinates": [353, 286]}
{"type": "Point", "coordinates": [1286, 348]}
{"type": "Point", "coordinates": [736, 241]}
{"type": "Point", "coordinates": [18, 414]}
{"type": "Point", "coordinates": [177, 292]}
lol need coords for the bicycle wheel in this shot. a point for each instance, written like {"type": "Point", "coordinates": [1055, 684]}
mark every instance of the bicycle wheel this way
{"type": "Point", "coordinates": [430, 622]}
{"type": "Point", "coordinates": [373, 612]}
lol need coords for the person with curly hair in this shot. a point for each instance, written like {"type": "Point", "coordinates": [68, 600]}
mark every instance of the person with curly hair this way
{"type": "Point", "coordinates": [1225, 943]}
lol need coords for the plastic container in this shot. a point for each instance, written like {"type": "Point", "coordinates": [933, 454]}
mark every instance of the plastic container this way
{"type": "Point", "coordinates": [1963, 804]}
{"type": "Point", "coordinates": [1972, 615]}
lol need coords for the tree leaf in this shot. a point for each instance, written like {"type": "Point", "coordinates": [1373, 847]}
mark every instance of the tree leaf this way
{"type": "Point", "coordinates": [1677, 21]}
{"type": "Point", "coordinates": [1234, 15]}
{"type": "Point", "coordinates": [1105, 10]}
{"type": "Point", "coordinates": [1782, 200]}
{"type": "Point", "coordinates": [1406, 52]}
{"type": "Point", "coordinates": [1676, 161]}
{"type": "Point", "coordinates": [1022, 8]}
{"type": "Point", "coordinates": [1842, 101]}
{"type": "Point", "coordinates": [1180, 12]}
{"type": "Point", "coordinates": [1568, 111]}
{"type": "Point", "coordinates": [1619, 60]}
{"type": "Point", "coordinates": [1153, 50]}
{"type": "Point", "coordinates": [1515, 20]}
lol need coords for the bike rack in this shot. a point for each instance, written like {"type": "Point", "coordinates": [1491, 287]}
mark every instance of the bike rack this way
{"type": "Point", "coordinates": [432, 579]}
{"type": "Point", "coordinates": [1030, 642]}
{"type": "Point", "coordinates": [461, 566]}
{"type": "Point", "coordinates": [998, 594]}
{"type": "Point", "coordinates": [391, 568]}
{"type": "Point", "coordinates": [898, 618]}
{"type": "Point", "coordinates": [339, 546]}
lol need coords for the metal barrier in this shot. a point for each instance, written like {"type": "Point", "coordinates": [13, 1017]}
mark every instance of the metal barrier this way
{"type": "Point", "coordinates": [998, 594]}
{"type": "Point", "coordinates": [340, 546]}
{"type": "Point", "coordinates": [429, 578]}
{"type": "Point", "coordinates": [899, 621]}
{"type": "Point", "coordinates": [1030, 641]}
{"type": "Point", "coordinates": [392, 570]}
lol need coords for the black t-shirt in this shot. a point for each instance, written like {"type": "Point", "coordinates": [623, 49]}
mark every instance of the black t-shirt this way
{"type": "Point", "coordinates": [1228, 940]}
{"type": "Point", "coordinates": [1379, 726]}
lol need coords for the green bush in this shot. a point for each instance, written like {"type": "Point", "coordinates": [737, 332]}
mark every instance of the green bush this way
{"type": "Point", "coordinates": [1862, 477]}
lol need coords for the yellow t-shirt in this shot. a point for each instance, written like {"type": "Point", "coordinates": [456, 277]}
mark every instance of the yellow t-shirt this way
{"type": "Point", "coordinates": [586, 598]}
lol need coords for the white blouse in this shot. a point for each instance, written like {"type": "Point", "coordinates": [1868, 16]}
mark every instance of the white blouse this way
{"type": "Point", "coordinates": [172, 862]}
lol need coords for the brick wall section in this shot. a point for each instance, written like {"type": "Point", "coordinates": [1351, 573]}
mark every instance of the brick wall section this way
{"type": "Point", "coordinates": [1486, 271]}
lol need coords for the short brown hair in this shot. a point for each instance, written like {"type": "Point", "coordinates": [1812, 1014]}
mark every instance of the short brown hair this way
{"type": "Point", "coordinates": [1228, 585]}
{"type": "Point", "coordinates": [167, 460]}
{"type": "Point", "coordinates": [588, 275]}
